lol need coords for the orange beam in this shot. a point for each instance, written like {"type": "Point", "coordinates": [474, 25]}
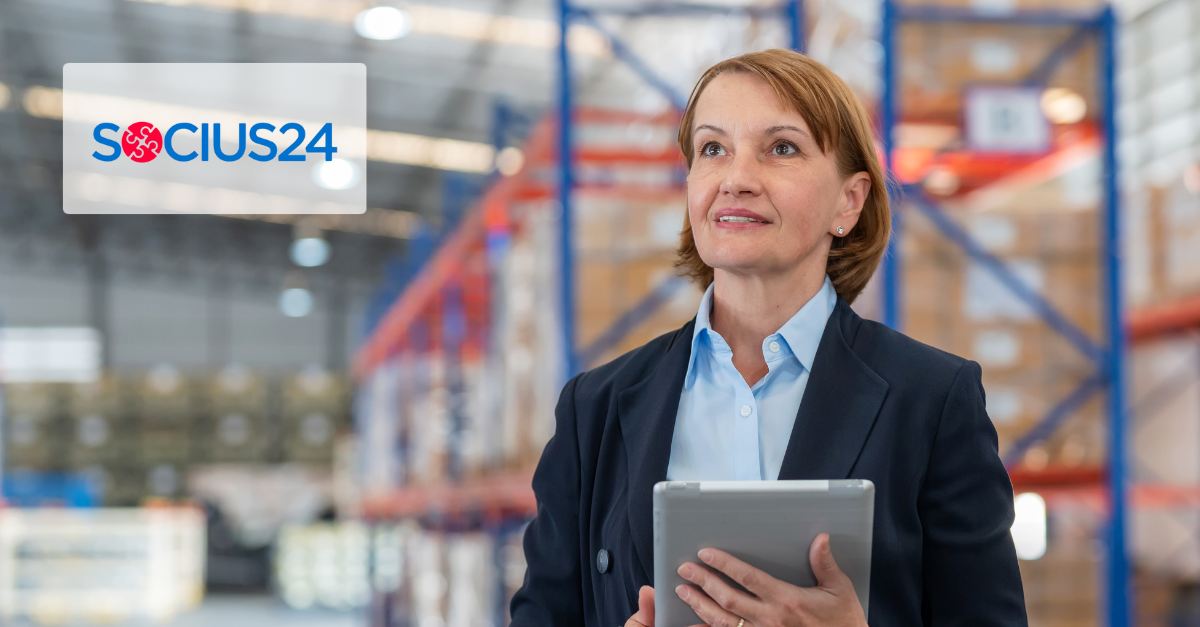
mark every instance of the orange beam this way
{"type": "Point", "coordinates": [446, 263]}
{"type": "Point", "coordinates": [1165, 319]}
{"type": "Point", "coordinates": [497, 495]}
{"type": "Point", "coordinates": [1025, 480]}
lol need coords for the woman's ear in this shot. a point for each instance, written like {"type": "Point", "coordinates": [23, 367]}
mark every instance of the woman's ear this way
{"type": "Point", "coordinates": [853, 197]}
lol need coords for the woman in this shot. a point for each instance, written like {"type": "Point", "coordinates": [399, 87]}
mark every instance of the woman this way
{"type": "Point", "coordinates": [777, 378]}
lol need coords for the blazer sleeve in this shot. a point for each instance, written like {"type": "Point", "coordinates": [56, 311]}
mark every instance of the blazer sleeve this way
{"type": "Point", "coordinates": [966, 507]}
{"type": "Point", "coordinates": [553, 590]}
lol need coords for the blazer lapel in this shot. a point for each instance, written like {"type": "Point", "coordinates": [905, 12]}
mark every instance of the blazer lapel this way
{"type": "Point", "coordinates": [647, 417]}
{"type": "Point", "coordinates": [840, 403]}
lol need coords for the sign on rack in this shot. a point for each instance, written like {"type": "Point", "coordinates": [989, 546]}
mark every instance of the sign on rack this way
{"type": "Point", "coordinates": [1006, 119]}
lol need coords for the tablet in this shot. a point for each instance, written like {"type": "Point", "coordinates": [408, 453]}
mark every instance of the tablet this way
{"type": "Point", "coordinates": [767, 524]}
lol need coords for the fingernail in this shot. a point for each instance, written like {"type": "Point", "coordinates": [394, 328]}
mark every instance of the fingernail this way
{"type": "Point", "coordinates": [685, 571]}
{"type": "Point", "coordinates": [705, 556]}
{"type": "Point", "coordinates": [682, 591]}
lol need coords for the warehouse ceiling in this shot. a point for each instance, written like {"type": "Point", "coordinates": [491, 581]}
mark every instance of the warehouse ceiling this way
{"type": "Point", "coordinates": [443, 80]}
{"type": "Point", "coordinates": [426, 84]}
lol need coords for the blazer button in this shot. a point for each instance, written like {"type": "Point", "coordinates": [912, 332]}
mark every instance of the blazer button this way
{"type": "Point", "coordinates": [603, 561]}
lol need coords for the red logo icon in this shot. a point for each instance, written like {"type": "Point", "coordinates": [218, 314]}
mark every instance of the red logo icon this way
{"type": "Point", "coordinates": [141, 142]}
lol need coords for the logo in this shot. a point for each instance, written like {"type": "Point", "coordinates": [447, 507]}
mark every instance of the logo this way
{"type": "Point", "coordinates": [142, 142]}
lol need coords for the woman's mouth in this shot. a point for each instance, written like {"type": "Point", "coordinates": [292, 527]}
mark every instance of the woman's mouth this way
{"type": "Point", "coordinates": [739, 218]}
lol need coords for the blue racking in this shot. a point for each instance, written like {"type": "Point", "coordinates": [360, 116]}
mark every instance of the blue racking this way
{"type": "Point", "coordinates": [1108, 358]}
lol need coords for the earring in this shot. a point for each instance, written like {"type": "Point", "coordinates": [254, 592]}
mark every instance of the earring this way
{"type": "Point", "coordinates": [840, 230]}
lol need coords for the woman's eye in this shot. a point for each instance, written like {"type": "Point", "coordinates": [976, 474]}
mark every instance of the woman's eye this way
{"type": "Point", "coordinates": [784, 149]}
{"type": "Point", "coordinates": [712, 149]}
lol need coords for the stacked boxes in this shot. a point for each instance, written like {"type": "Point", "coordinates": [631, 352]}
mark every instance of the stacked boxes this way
{"type": "Point", "coordinates": [167, 413]}
{"type": "Point", "coordinates": [137, 435]}
{"type": "Point", "coordinates": [100, 566]}
{"type": "Point", "coordinates": [626, 249]}
{"type": "Point", "coordinates": [313, 412]}
{"type": "Point", "coordinates": [106, 442]}
{"type": "Point", "coordinates": [1164, 259]}
{"type": "Point", "coordinates": [1061, 589]}
{"type": "Point", "coordinates": [529, 335]}
{"type": "Point", "coordinates": [958, 305]}
{"type": "Point", "coordinates": [33, 425]}
{"type": "Point", "coordinates": [236, 429]}
{"type": "Point", "coordinates": [325, 565]}
{"type": "Point", "coordinates": [423, 577]}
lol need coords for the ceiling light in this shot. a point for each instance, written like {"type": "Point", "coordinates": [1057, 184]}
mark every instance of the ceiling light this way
{"type": "Point", "coordinates": [336, 174]}
{"type": "Point", "coordinates": [43, 102]}
{"type": "Point", "coordinates": [510, 161]}
{"type": "Point", "coordinates": [310, 252]}
{"type": "Point", "coordinates": [1063, 106]}
{"type": "Point", "coordinates": [296, 302]}
{"type": "Point", "coordinates": [5, 95]}
{"type": "Point", "coordinates": [426, 19]}
{"type": "Point", "coordinates": [382, 23]}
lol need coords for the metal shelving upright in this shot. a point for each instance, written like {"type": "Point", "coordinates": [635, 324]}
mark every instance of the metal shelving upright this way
{"type": "Point", "coordinates": [1108, 358]}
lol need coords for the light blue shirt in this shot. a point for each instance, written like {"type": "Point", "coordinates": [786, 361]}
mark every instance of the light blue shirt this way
{"type": "Point", "coordinates": [726, 430]}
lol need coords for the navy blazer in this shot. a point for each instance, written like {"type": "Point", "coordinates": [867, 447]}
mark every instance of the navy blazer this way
{"type": "Point", "coordinates": [878, 406]}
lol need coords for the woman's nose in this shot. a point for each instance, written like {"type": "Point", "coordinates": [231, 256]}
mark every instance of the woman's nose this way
{"type": "Point", "coordinates": [742, 175]}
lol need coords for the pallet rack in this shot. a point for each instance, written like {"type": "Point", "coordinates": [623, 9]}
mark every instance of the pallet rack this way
{"type": "Point", "coordinates": [1108, 357]}
{"type": "Point", "coordinates": [428, 313]}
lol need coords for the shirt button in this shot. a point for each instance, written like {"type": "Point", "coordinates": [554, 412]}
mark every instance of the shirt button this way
{"type": "Point", "coordinates": [745, 410]}
{"type": "Point", "coordinates": [602, 561]}
{"type": "Point", "coordinates": [774, 346]}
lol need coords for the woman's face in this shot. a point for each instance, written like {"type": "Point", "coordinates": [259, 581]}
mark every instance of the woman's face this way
{"type": "Point", "coordinates": [762, 197]}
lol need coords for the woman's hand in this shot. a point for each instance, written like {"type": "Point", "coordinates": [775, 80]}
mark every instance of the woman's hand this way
{"type": "Point", "coordinates": [644, 617]}
{"type": "Point", "coordinates": [831, 603]}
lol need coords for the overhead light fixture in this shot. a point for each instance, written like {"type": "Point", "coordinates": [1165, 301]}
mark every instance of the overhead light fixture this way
{"type": "Point", "coordinates": [425, 19]}
{"type": "Point", "coordinates": [336, 174]}
{"type": "Point", "coordinates": [1063, 106]}
{"type": "Point", "coordinates": [382, 23]}
{"type": "Point", "coordinates": [309, 249]}
{"type": "Point", "coordinates": [43, 102]}
{"type": "Point", "coordinates": [5, 95]}
{"type": "Point", "coordinates": [310, 252]}
{"type": "Point", "coordinates": [295, 301]}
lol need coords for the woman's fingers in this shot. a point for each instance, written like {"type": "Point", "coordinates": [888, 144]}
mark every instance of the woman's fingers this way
{"type": "Point", "coordinates": [646, 605]}
{"type": "Point", "coordinates": [712, 614]}
{"type": "Point", "coordinates": [644, 617]}
{"type": "Point", "coordinates": [724, 594]}
{"type": "Point", "coordinates": [751, 578]}
{"type": "Point", "coordinates": [825, 568]}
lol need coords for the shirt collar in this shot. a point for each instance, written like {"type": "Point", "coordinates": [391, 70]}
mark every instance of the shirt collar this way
{"type": "Point", "coordinates": [802, 331]}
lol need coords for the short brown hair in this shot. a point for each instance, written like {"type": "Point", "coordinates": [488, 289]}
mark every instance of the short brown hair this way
{"type": "Point", "coordinates": [839, 123]}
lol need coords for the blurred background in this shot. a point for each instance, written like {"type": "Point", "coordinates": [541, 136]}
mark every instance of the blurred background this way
{"type": "Point", "coordinates": [333, 420]}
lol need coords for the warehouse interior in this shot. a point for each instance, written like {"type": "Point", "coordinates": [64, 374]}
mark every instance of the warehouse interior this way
{"type": "Point", "coordinates": [333, 420]}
